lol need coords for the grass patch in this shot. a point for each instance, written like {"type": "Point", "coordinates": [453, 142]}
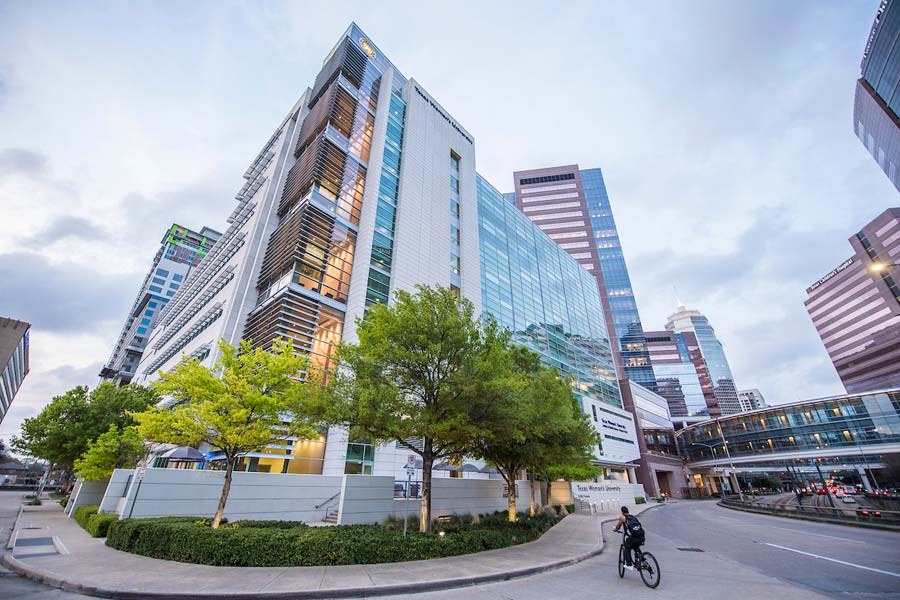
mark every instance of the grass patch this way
{"type": "Point", "coordinates": [293, 544]}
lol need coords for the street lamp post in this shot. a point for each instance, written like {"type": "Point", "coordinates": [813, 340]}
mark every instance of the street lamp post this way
{"type": "Point", "coordinates": [728, 454]}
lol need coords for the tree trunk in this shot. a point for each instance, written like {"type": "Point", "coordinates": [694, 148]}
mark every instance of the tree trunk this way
{"type": "Point", "coordinates": [226, 488]}
{"type": "Point", "coordinates": [531, 500]}
{"type": "Point", "coordinates": [425, 512]}
{"type": "Point", "coordinates": [510, 477]}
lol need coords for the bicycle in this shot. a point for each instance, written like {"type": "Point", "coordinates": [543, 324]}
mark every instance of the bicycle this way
{"type": "Point", "coordinates": [646, 565]}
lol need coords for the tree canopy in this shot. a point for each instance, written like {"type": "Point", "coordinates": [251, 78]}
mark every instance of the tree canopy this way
{"type": "Point", "coordinates": [63, 430]}
{"type": "Point", "coordinates": [406, 381]}
{"type": "Point", "coordinates": [528, 418]}
{"type": "Point", "coordinates": [249, 399]}
{"type": "Point", "coordinates": [115, 449]}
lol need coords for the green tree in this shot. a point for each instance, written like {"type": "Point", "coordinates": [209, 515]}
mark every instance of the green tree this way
{"type": "Point", "coordinates": [248, 400]}
{"type": "Point", "coordinates": [115, 449]}
{"type": "Point", "coordinates": [528, 418]}
{"type": "Point", "coordinates": [63, 430]}
{"type": "Point", "coordinates": [405, 382]}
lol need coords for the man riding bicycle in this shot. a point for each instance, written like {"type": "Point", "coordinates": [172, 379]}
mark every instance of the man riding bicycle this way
{"type": "Point", "coordinates": [634, 536]}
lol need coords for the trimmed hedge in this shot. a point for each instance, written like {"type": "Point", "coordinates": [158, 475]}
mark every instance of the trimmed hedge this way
{"type": "Point", "coordinates": [640, 500]}
{"type": "Point", "coordinates": [83, 513]}
{"type": "Point", "coordinates": [93, 522]}
{"type": "Point", "coordinates": [287, 543]}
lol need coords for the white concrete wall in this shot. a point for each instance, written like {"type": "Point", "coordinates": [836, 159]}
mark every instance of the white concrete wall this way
{"type": "Point", "coordinates": [370, 499]}
{"type": "Point", "coordinates": [116, 490]}
{"type": "Point", "coordinates": [167, 492]}
{"type": "Point", "coordinates": [86, 493]}
{"type": "Point", "coordinates": [606, 496]}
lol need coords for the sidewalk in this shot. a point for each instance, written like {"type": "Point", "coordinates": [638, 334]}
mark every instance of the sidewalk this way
{"type": "Point", "coordinates": [84, 564]}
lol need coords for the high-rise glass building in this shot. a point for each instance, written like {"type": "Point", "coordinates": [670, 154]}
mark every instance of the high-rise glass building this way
{"type": "Point", "coordinates": [532, 287]}
{"type": "Point", "coordinates": [14, 359]}
{"type": "Point", "coordinates": [368, 186]}
{"type": "Point", "coordinates": [712, 353]}
{"type": "Point", "coordinates": [682, 376]}
{"type": "Point", "coordinates": [877, 102]}
{"type": "Point", "coordinates": [180, 250]}
{"type": "Point", "coordinates": [572, 206]}
{"type": "Point", "coordinates": [751, 400]}
{"type": "Point", "coordinates": [855, 308]}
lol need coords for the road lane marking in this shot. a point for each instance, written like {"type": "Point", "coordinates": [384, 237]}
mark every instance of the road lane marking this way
{"type": "Point", "coordinates": [833, 537]}
{"type": "Point", "coordinates": [842, 562]}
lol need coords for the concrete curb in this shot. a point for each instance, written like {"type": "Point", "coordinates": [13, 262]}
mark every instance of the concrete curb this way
{"type": "Point", "coordinates": [50, 579]}
{"type": "Point", "coordinates": [814, 518]}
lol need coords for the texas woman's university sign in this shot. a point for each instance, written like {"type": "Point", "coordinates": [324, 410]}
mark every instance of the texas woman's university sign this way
{"type": "Point", "coordinates": [607, 495]}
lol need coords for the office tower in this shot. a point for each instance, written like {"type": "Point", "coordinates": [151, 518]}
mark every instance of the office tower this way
{"type": "Point", "coordinates": [877, 101]}
{"type": "Point", "coordinates": [751, 400]}
{"type": "Point", "coordinates": [14, 360]}
{"type": "Point", "coordinates": [682, 376]}
{"type": "Point", "coordinates": [713, 354]}
{"type": "Point", "coordinates": [855, 308]}
{"type": "Point", "coordinates": [180, 250]}
{"type": "Point", "coordinates": [368, 186]}
{"type": "Point", "coordinates": [535, 289]}
{"type": "Point", "coordinates": [572, 206]}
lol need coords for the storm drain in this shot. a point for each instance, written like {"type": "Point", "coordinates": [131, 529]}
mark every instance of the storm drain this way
{"type": "Point", "coordinates": [689, 549]}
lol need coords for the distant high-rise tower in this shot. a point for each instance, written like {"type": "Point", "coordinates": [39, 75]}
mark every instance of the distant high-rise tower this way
{"type": "Point", "coordinates": [751, 400]}
{"type": "Point", "coordinates": [724, 389]}
{"type": "Point", "coordinates": [877, 102]}
{"type": "Point", "coordinates": [572, 207]}
{"type": "Point", "coordinates": [855, 308]}
{"type": "Point", "coordinates": [682, 376]}
{"type": "Point", "coordinates": [180, 250]}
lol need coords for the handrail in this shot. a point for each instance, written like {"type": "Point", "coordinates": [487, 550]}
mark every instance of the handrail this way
{"type": "Point", "coordinates": [327, 501]}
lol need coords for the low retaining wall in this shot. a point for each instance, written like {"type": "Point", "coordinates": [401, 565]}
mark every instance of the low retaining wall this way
{"type": "Point", "coordinates": [872, 523]}
{"type": "Point", "coordinates": [85, 493]}
{"type": "Point", "coordinates": [368, 499]}
{"type": "Point", "coordinates": [171, 492]}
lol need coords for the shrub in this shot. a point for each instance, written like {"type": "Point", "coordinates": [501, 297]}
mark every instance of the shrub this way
{"type": "Point", "coordinates": [570, 508]}
{"type": "Point", "coordinates": [63, 501]}
{"type": "Point", "coordinates": [289, 543]}
{"type": "Point", "coordinates": [98, 524]}
{"type": "Point", "coordinates": [639, 500]}
{"type": "Point", "coordinates": [34, 502]}
{"type": "Point", "coordinates": [83, 513]}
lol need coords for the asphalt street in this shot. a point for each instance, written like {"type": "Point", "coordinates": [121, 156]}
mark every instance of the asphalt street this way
{"type": "Point", "coordinates": [705, 551]}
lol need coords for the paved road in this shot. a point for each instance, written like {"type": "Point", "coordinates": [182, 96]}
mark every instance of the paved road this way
{"type": "Point", "coordinates": [757, 556]}
{"type": "Point", "coordinates": [736, 559]}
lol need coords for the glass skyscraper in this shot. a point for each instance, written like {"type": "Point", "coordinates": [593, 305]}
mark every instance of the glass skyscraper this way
{"type": "Point", "coordinates": [713, 354]}
{"type": "Point", "coordinates": [180, 250]}
{"type": "Point", "coordinates": [877, 102]}
{"type": "Point", "coordinates": [572, 206]}
{"type": "Point", "coordinates": [532, 287]}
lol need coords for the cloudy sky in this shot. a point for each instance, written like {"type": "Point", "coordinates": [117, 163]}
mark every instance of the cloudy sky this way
{"type": "Point", "coordinates": [723, 129]}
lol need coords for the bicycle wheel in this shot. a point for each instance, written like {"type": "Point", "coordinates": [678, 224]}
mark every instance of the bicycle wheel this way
{"type": "Point", "coordinates": [621, 561]}
{"type": "Point", "coordinates": [650, 570]}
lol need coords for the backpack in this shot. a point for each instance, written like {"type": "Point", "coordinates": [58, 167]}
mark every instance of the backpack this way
{"type": "Point", "coordinates": [633, 526]}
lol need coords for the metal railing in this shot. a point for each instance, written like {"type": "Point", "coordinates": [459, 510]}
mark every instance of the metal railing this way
{"type": "Point", "coordinates": [847, 515]}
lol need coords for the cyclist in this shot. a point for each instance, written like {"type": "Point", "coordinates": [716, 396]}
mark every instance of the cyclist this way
{"type": "Point", "coordinates": [634, 535]}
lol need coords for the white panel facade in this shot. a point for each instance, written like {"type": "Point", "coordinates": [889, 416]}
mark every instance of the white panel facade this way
{"type": "Point", "coordinates": [214, 301]}
{"type": "Point", "coordinates": [422, 232]}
